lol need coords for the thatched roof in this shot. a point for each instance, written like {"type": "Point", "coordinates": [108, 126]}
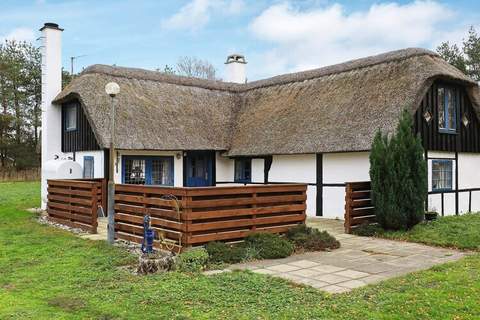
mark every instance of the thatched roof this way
{"type": "Point", "coordinates": [331, 109]}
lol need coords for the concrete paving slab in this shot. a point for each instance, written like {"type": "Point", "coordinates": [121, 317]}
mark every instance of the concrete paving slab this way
{"type": "Point", "coordinates": [359, 261]}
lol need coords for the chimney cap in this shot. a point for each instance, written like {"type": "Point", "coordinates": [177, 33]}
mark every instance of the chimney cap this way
{"type": "Point", "coordinates": [50, 25]}
{"type": "Point", "coordinates": [236, 57]}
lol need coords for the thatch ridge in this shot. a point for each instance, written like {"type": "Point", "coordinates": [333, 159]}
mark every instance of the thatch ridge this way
{"type": "Point", "coordinates": [143, 74]}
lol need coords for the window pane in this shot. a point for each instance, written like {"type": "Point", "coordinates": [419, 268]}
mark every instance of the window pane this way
{"type": "Point", "coordinates": [243, 170]}
{"type": "Point", "coordinates": [162, 172]}
{"type": "Point", "coordinates": [88, 165]}
{"type": "Point", "coordinates": [135, 171]}
{"type": "Point", "coordinates": [451, 109]}
{"type": "Point", "coordinates": [71, 118]}
{"type": "Point", "coordinates": [441, 108]}
{"type": "Point", "coordinates": [441, 174]}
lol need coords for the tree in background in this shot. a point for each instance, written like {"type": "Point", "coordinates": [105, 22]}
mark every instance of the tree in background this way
{"type": "Point", "coordinates": [467, 59]}
{"type": "Point", "coordinates": [196, 68]}
{"type": "Point", "coordinates": [398, 172]}
{"type": "Point", "coordinates": [20, 89]}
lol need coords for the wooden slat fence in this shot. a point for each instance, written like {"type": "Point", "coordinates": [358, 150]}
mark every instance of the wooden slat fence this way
{"type": "Point", "coordinates": [358, 205]}
{"type": "Point", "coordinates": [11, 174]}
{"type": "Point", "coordinates": [188, 217]}
{"type": "Point", "coordinates": [75, 203]}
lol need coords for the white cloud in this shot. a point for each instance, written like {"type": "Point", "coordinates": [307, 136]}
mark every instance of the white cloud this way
{"type": "Point", "coordinates": [197, 13]}
{"type": "Point", "coordinates": [19, 34]}
{"type": "Point", "coordinates": [304, 39]}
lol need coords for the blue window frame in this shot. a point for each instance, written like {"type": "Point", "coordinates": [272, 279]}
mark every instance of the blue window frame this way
{"type": "Point", "coordinates": [70, 114]}
{"type": "Point", "coordinates": [442, 174]}
{"type": "Point", "coordinates": [88, 167]}
{"type": "Point", "coordinates": [147, 170]}
{"type": "Point", "coordinates": [243, 170]}
{"type": "Point", "coordinates": [447, 109]}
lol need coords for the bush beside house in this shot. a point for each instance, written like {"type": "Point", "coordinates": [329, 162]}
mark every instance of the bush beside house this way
{"type": "Point", "coordinates": [398, 172]}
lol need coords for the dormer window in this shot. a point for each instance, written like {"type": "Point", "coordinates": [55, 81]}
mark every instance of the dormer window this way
{"type": "Point", "coordinates": [71, 118]}
{"type": "Point", "coordinates": [447, 110]}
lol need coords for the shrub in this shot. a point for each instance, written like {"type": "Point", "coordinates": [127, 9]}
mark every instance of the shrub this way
{"type": "Point", "coordinates": [398, 172]}
{"type": "Point", "coordinates": [193, 260]}
{"type": "Point", "coordinates": [311, 239]}
{"type": "Point", "coordinates": [219, 252]}
{"type": "Point", "coordinates": [367, 230]}
{"type": "Point", "coordinates": [269, 246]}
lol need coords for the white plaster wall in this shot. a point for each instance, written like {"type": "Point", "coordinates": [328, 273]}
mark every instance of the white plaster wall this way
{"type": "Point", "coordinates": [469, 177]}
{"type": "Point", "coordinates": [98, 158]}
{"type": "Point", "coordinates": [341, 168]}
{"type": "Point", "coordinates": [177, 163]}
{"type": "Point", "coordinates": [225, 168]}
{"type": "Point", "coordinates": [258, 170]}
{"type": "Point", "coordinates": [296, 168]}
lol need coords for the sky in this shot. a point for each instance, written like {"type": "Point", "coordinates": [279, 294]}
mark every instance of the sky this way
{"type": "Point", "coordinates": [276, 37]}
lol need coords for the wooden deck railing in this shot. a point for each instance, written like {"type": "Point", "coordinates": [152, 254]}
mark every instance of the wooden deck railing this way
{"type": "Point", "coordinates": [358, 205]}
{"type": "Point", "coordinates": [185, 217]}
{"type": "Point", "coordinates": [75, 203]}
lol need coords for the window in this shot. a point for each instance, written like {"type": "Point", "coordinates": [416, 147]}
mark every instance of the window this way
{"type": "Point", "coordinates": [148, 170]}
{"type": "Point", "coordinates": [447, 110]}
{"type": "Point", "coordinates": [441, 175]}
{"type": "Point", "coordinates": [243, 170]}
{"type": "Point", "coordinates": [70, 118]}
{"type": "Point", "coordinates": [88, 167]}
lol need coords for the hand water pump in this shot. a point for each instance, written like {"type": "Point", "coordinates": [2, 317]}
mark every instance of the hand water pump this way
{"type": "Point", "coordinates": [148, 235]}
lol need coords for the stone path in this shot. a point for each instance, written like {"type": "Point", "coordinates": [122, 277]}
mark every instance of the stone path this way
{"type": "Point", "coordinates": [359, 261]}
{"type": "Point", "coordinates": [101, 230]}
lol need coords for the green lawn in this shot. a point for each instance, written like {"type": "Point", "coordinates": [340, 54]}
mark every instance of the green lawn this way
{"type": "Point", "coordinates": [462, 232]}
{"type": "Point", "coordinates": [47, 273]}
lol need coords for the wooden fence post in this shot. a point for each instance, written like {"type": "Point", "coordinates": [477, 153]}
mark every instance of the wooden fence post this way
{"type": "Point", "coordinates": [348, 207]}
{"type": "Point", "coordinates": [95, 187]}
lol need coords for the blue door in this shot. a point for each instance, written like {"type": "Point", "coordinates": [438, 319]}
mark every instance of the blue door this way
{"type": "Point", "coordinates": [199, 168]}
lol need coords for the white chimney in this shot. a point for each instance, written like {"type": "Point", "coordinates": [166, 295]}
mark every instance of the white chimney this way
{"type": "Point", "coordinates": [51, 87]}
{"type": "Point", "coordinates": [235, 69]}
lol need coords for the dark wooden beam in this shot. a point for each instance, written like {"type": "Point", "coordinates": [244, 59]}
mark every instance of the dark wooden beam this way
{"type": "Point", "coordinates": [319, 185]}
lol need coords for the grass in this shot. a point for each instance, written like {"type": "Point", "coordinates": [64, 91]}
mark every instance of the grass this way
{"type": "Point", "coordinates": [46, 273]}
{"type": "Point", "coordinates": [461, 232]}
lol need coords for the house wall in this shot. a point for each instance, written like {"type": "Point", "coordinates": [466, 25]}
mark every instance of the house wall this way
{"type": "Point", "coordinates": [225, 168]}
{"type": "Point", "coordinates": [296, 168]}
{"type": "Point", "coordinates": [468, 177]}
{"type": "Point", "coordinates": [339, 168]}
{"type": "Point", "coordinates": [98, 161]}
{"type": "Point", "coordinates": [177, 163]}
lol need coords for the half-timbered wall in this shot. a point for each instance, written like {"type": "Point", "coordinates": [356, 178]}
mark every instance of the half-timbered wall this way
{"type": "Point", "coordinates": [466, 139]}
{"type": "Point", "coordinates": [82, 138]}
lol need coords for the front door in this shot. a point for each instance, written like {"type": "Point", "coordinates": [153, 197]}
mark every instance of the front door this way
{"type": "Point", "coordinates": [199, 167]}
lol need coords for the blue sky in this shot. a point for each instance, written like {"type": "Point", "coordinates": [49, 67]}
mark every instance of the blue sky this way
{"type": "Point", "coordinates": [275, 36]}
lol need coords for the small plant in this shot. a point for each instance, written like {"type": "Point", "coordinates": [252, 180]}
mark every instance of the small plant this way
{"type": "Point", "coordinates": [367, 230]}
{"type": "Point", "coordinates": [310, 239]}
{"type": "Point", "coordinates": [219, 252]}
{"type": "Point", "coordinates": [269, 246]}
{"type": "Point", "coordinates": [193, 260]}
{"type": "Point", "coordinates": [431, 215]}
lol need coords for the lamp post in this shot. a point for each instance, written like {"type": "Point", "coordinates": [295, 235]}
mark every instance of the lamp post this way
{"type": "Point", "coordinates": [112, 89]}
